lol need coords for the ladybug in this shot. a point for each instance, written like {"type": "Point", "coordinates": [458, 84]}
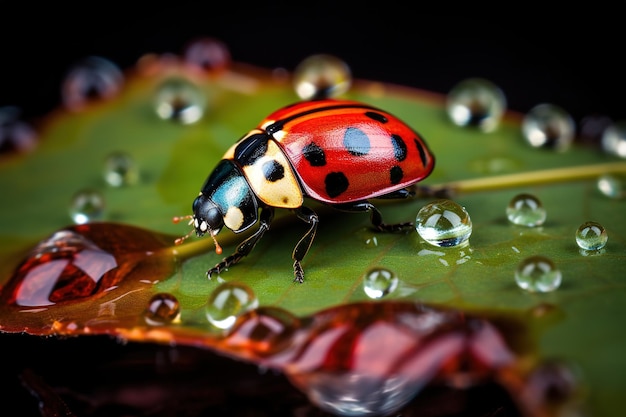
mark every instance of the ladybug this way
{"type": "Point", "coordinates": [338, 152]}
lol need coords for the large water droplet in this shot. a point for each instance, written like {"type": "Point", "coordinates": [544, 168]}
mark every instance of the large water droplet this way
{"type": "Point", "coordinates": [163, 308]}
{"type": "Point", "coordinates": [612, 185]}
{"type": "Point", "coordinates": [548, 126]}
{"type": "Point", "coordinates": [614, 139]}
{"type": "Point", "coordinates": [15, 134]}
{"type": "Point", "coordinates": [93, 78]}
{"type": "Point", "coordinates": [180, 100]}
{"type": "Point", "coordinates": [444, 223]}
{"type": "Point", "coordinates": [87, 206]}
{"type": "Point", "coordinates": [120, 169]}
{"type": "Point", "coordinates": [591, 236]}
{"type": "Point", "coordinates": [321, 76]}
{"type": "Point", "coordinates": [476, 102]}
{"type": "Point", "coordinates": [538, 274]}
{"type": "Point", "coordinates": [229, 301]}
{"type": "Point", "coordinates": [526, 210]}
{"type": "Point", "coordinates": [379, 282]}
{"type": "Point", "coordinates": [207, 55]}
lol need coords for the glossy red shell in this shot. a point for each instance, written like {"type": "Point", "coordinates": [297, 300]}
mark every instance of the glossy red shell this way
{"type": "Point", "coordinates": [345, 151]}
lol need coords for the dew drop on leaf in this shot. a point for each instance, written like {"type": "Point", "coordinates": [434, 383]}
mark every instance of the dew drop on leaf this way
{"type": "Point", "coordinates": [87, 206]}
{"type": "Point", "coordinates": [614, 139]}
{"type": "Point", "coordinates": [93, 78]}
{"type": "Point", "coordinates": [537, 274]}
{"type": "Point", "coordinates": [591, 236]}
{"type": "Point", "coordinates": [180, 100]}
{"type": "Point", "coordinates": [321, 76]}
{"type": "Point", "coordinates": [612, 185]}
{"type": "Point", "coordinates": [229, 301]}
{"type": "Point", "coordinates": [379, 282]}
{"type": "Point", "coordinates": [548, 126]}
{"type": "Point", "coordinates": [207, 55]}
{"type": "Point", "coordinates": [476, 102]}
{"type": "Point", "coordinates": [444, 223]}
{"type": "Point", "coordinates": [526, 210]}
{"type": "Point", "coordinates": [15, 134]}
{"type": "Point", "coordinates": [120, 169]}
{"type": "Point", "coordinates": [163, 308]}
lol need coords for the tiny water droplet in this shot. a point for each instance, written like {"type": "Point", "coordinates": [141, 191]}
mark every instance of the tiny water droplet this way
{"type": "Point", "coordinates": [591, 236]}
{"type": "Point", "coordinates": [93, 78]}
{"type": "Point", "coordinates": [614, 139]}
{"type": "Point", "coordinates": [444, 223]}
{"type": "Point", "coordinates": [526, 210]}
{"type": "Point", "coordinates": [548, 126]}
{"type": "Point", "coordinates": [379, 282]}
{"type": "Point", "coordinates": [207, 54]}
{"type": "Point", "coordinates": [163, 308]}
{"type": "Point", "coordinates": [371, 242]}
{"type": "Point", "coordinates": [612, 185]}
{"type": "Point", "coordinates": [180, 100]}
{"type": "Point", "coordinates": [476, 102]}
{"type": "Point", "coordinates": [15, 134]}
{"type": "Point", "coordinates": [120, 169]}
{"type": "Point", "coordinates": [537, 274]}
{"type": "Point", "coordinates": [87, 206]}
{"type": "Point", "coordinates": [229, 301]}
{"type": "Point", "coordinates": [321, 76]}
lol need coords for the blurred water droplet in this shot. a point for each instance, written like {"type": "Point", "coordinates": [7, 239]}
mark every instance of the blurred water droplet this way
{"type": "Point", "coordinates": [444, 223]}
{"type": "Point", "coordinates": [180, 100]}
{"type": "Point", "coordinates": [207, 55]}
{"type": "Point", "coordinates": [379, 282]}
{"type": "Point", "coordinates": [476, 102]}
{"type": "Point", "coordinates": [321, 76]}
{"type": "Point", "coordinates": [120, 169]}
{"type": "Point", "coordinates": [526, 210]}
{"type": "Point", "coordinates": [591, 236]}
{"type": "Point", "coordinates": [612, 185]}
{"type": "Point", "coordinates": [91, 79]}
{"type": "Point", "coordinates": [592, 127]}
{"type": "Point", "coordinates": [87, 206]}
{"type": "Point", "coordinates": [549, 126]}
{"type": "Point", "coordinates": [163, 308]}
{"type": "Point", "coordinates": [371, 242]}
{"type": "Point", "coordinates": [15, 134]}
{"type": "Point", "coordinates": [229, 301]}
{"type": "Point", "coordinates": [614, 139]}
{"type": "Point", "coordinates": [537, 274]}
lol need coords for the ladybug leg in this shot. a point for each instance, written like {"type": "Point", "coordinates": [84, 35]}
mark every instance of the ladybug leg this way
{"type": "Point", "coordinates": [375, 216]}
{"type": "Point", "coordinates": [301, 249]}
{"type": "Point", "coordinates": [245, 247]}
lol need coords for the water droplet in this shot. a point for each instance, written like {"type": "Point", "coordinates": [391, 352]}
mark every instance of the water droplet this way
{"type": "Point", "coordinates": [526, 210]}
{"type": "Point", "coordinates": [548, 126]}
{"type": "Point", "coordinates": [207, 55]}
{"type": "Point", "coordinates": [321, 76]}
{"type": "Point", "coordinates": [444, 223]}
{"type": "Point", "coordinates": [87, 206]}
{"type": "Point", "coordinates": [379, 282]}
{"type": "Point", "coordinates": [229, 301]}
{"type": "Point", "coordinates": [476, 102]}
{"type": "Point", "coordinates": [553, 383]}
{"type": "Point", "coordinates": [614, 139]}
{"type": "Point", "coordinates": [15, 135]}
{"type": "Point", "coordinates": [163, 308]}
{"type": "Point", "coordinates": [181, 100]}
{"type": "Point", "coordinates": [64, 267]}
{"type": "Point", "coordinates": [93, 78]}
{"type": "Point", "coordinates": [592, 127]}
{"type": "Point", "coordinates": [612, 185]}
{"type": "Point", "coordinates": [591, 236]}
{"type": "Point", "coordinates": [537, 274]}
{"type": "Point", "coordinates": [120, 169]}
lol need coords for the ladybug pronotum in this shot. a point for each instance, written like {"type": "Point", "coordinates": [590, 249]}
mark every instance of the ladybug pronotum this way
{"type": "Point", "coordinates": [338, 152]}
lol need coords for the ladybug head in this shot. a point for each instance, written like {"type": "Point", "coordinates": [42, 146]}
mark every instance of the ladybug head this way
{"type": "Point", "coordinates": [206, 217]}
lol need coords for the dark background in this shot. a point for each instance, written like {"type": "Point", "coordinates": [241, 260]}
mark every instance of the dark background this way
{"type": "Point", "coordinates": [574, 62]}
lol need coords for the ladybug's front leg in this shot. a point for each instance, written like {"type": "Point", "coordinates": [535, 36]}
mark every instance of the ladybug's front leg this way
{"type": "Point", "coordinates": [245, 247]}
{"type": "Point", "coordinates": [301, 249]}
{"type": "Point", "coordinates": [375, 216]}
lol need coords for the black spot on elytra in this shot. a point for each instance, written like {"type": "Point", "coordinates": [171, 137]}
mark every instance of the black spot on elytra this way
{"type": "Point", "coordinates": [336, 183]}
{"type": "Point", "coordinates": [356, 141]}
{"type": "Point", "coordinates": [395, 174]}
{"type": "Point", "coordinates": [379, 117]}
{"type": "Point", "coordinates": [314, 154]}
{"type": "Point", "coordinates": [399, 147]}
{"type": "Point", "coordinates": [422, 152]}
{"type": "Point", "coordinates": [251, 149]}
{"type": "Point", "coordinates": [273, 170]}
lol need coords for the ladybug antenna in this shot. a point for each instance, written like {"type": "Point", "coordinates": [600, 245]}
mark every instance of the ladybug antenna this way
{"type": "Point", "coordinates": [178, 219]}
